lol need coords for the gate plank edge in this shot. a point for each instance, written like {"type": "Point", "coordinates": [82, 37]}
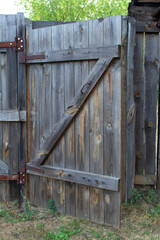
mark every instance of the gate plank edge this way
{"type": "Point", "coordinates": [74, 176]}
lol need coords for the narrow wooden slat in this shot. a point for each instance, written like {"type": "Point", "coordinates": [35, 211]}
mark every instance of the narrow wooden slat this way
{"type": "Point", "coordinates": [57, 158]}
{"type": "Point", "coordinates": [96, 118]}
{"type": "Point", "coordinates": [130, 109]}
{"type": "Point", "coordinates": [72, 110]}
{"type": "Point", "coordinates": [158, 138]}
{"type": "Point", "coordinates": [12, 116]}
{"type": "Point", "coordinates": [4, 187]}
{"type": "Point", "coordinates": [145, 179]}
{"type": "Point", "coordinates": [33, 107]}
{"type": "Point", "coordinates": [139, 88]}
{"type": "Point", "coordinates": [75, 176]}
{"type": "Point", "coordinates": [112, 122]}
{"type": "Point", "coordinates": [70, 161]}
{"type": "Point", "coordinates": [151, 78]}
{"type": "Point", "coordinates": [81, 192]}
{"type": "Point", "coordinates": [45, 107]}
{"type": "Point", "coordinates": [21, 106]}
{"type": "Point", "coordinates": [76, 54]}
{"type": "Point", "coordinates": [12, 78]}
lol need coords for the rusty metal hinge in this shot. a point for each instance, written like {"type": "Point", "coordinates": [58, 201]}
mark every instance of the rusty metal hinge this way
{"type": "Point", "coordinates": [18, 44]}
{"type": "Point", "coordinates": [20, 177]}
{"type": "Point", "coordinates": [23, 57]}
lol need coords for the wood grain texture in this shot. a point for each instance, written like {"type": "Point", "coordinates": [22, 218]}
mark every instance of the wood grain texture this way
{"type": "Point", "coordinates": [10, 136]}
{"type": "Point", "coordinates": [12, 116]}
{"type": "Point", "coordinates": [139, 92]}
{"type": "Point", "coordinates": [130, 109]}
{"type": "Point", "coordinates": [96, 38]}
{"type": "Point", "coordinates": [75, 176]}
{"type": "Point", "coordinates": [73, 54]}
{"type": "Point", "coordinates": [85, 111]}
{"type": "Point", "coordinates": [72, 110]}
{"type": "Point", "coordinates": [112, 122]}
{"type": "Point", "coordinates": [81, 123]}
{"type": "Point", "coordinates": [151, 78]}
{"type": "Point", "coordinates": [57, 158]}
{"type": "Point", "coordinates": [145, 179]}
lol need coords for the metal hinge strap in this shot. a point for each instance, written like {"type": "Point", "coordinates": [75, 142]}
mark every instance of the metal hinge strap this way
{"type": "Point", "coordinates": [20, 177]}
{"type": "Point", "coordinates": [23, 57]}
{"type": "Point", "coordinates": [18, 44]}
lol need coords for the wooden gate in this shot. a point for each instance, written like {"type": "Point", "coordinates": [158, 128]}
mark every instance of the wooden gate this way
{"type": "Point", "coordinates": [77, 79]}
{"type": "Point", "coordinates": [12, 106]}
{"type": "Point", "coordinates": [78, 119]}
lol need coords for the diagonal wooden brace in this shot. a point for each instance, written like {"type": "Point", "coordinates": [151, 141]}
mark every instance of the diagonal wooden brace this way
{"type": "Point", "coordinates": [72, 111]}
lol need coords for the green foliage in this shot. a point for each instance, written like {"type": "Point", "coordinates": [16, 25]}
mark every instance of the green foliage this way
{"type": "Point", "coordinates": [52, 206]}
{"type": "Point", "coordinates": [72, 10]}
{"type": "Point", "coordinates": [151, 197]}
{"type": "Point", "coordinates": [2, 212]}
{"type": "Point", "coordinates": [136, 197]}
{"type": "Point", "coordinates": [64, 232]}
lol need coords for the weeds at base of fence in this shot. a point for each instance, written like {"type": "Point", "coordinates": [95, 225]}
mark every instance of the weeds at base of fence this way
{"type": "Point", "coordinates": [141, 221]}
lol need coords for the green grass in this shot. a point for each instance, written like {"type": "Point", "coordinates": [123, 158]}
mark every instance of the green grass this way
{"type": "Point", "coordinates": [140, 220]}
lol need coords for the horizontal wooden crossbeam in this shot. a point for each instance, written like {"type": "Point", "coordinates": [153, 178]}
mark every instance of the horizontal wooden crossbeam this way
{"type": "Point", "coordinates": [147, 26]}
{"type": "Point", "coordinates": [72, 55]}
{"type": "Point", "coordinates": [145, 180]}
{"type": "Point", "coordinates": [12, 116]}
{"type": "Point", "coordinates": [72, 110]}
{"type": "Point", "coordinates": [74, 176]}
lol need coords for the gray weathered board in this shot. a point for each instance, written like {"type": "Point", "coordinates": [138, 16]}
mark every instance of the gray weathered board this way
{"type": "Point", "coordinates": [146, 77]}
{"type": "Point", "coordinates": [93, 144]}
{"type": "Point", "coordinates": [12, 105]}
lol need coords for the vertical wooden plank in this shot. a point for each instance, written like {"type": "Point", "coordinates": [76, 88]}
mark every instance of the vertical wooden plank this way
{"type": "Point", "coordinates": [158, 142]}
{"type": "Point", "coordinates": [44, 71]}
{"type": "Point", "coordinates": [34, 117]}
{"type": "Point", "coordinates": [81, 194]}
{"type": "Point", "coordinates": [70, 158]}
{"type": "Point", "coordinates": [96, 38]}
{"type": "Point", "coordinates": [123, 102]}
{"type": "Point", "coordinates": [130, 113]}
{"type": "Point", "coordinates": [112, 121]}
{"type": "Point", "coordinates": [151, 78]}
{"type": "Point", "coordinates": [139, 88]}
{"type": "Point", "coordinates": [22, 153]}
{"type": "Point", "coordinates": [57, 158]}
{"type": "Point", "coordinates": [4, 187]}
{"type": "Point", "coordinates": [12, 91]}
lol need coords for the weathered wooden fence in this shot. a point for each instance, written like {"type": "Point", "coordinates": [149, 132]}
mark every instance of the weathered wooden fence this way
{"type": "Point", "coordinates": [12, 104]}
{"type": "Point", "coordinates": [70, 94]}
{"type": "Point", "coordinates": [146, 88]}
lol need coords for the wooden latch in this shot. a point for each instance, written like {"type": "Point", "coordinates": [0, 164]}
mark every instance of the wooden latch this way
{"type": "Point", "coordinates": [18, 44]}
{"type": "Point", "coordinates": [23, 57]}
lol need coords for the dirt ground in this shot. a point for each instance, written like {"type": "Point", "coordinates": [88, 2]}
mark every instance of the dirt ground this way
{"type": "Point", "coordinates": [140, 220]}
